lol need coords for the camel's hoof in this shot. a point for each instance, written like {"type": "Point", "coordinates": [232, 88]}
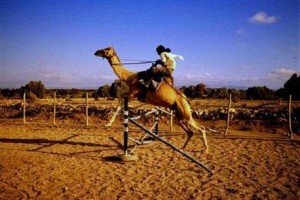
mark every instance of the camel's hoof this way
{"type": "Point", "coordinates": [182, 148]}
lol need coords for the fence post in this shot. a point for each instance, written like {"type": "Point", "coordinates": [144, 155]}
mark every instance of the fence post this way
{"type": "Point", "coordinates": [54, 108]}
{"type": "Point", "coordinates": [87, 108]}
{"type": "Point", "coordinates": [24, 107]}
{"type": "Point", "coordinates": [290, 117]}
{"type": "Point", "coordinates": [228, 115]}
{"type": "Point", "coordinates": [171, 121]}
{"type": "Point", "coordinates": [156, 121]}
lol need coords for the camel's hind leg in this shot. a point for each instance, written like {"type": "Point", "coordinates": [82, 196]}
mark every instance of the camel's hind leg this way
{"type": "Point", "coordinates": [200, 128]}
{"type": "Point", "coordinates": [189, 132]}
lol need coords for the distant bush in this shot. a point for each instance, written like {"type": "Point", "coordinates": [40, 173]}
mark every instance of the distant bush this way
{"type": "Point", "coordinates": [259, 93]}
{"type": "Point", "coordinates": [118, 88]}
{"type": "Point", "coordinates": [31, 97]}
{"type": "Point", "coordinates": [292, 86]}
{"type": "Point", "coordinates": [35, 87]}
{"type": "Point", "coordinates": [10, 93]}
{"type": "Point", "coordinates": [235, 95]}
{"type": "Point", "coordinates": [103, 91]}
{"type": "Point", "coordinates": [95, 95]}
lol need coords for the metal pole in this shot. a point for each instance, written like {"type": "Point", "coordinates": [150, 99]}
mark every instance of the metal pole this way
{"type": "Point", "coordinates": [228, 115]}
{"type": "Point", "coordinates": [125, 115]}
{"type": "Point", "coordinates": [24, 108]}
{"type": "Point", "coordinates": [54, 108]}
{"type": "Point", "coordinates": [290, 117]}
{"type": "Point", "coordinates": [171, 145]}
{"type": "Point", "coordinates": [87, 108]}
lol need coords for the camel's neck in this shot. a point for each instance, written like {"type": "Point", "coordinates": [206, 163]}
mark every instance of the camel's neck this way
{"type": "Point", "coordinates": [123, 73]}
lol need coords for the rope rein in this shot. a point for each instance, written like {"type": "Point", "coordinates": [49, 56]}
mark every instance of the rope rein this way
{"type": "Point", "coordinates": [136, 62]}
{"type": "Point", "coordinates": [140, 62]}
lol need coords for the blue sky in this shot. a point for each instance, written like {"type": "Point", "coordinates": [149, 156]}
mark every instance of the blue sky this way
{"type": "Point", "coordinates": [224, 43]}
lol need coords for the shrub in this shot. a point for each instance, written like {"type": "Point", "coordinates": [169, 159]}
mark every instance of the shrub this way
{"type": "Point", "coordinates": [35, 87]}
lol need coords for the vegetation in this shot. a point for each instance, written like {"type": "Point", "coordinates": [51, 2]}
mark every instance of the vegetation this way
{"type": "Point", "coordinates": [36, 89]}
{"type": "Point", "coordinates": [292, 86]}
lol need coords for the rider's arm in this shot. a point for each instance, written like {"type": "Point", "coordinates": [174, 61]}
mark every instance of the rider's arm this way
{"type": "Point", "coordinates": [163, 57]}
{"type": "Point", "coordinates": [174, 56]}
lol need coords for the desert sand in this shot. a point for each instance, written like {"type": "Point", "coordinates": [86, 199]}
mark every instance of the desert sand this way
{"type": "Point", "coordinates": [69, 161]}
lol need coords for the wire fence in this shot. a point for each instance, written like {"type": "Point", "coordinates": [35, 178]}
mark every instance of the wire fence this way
{"type": "Point", "coordinates": [282, 112]}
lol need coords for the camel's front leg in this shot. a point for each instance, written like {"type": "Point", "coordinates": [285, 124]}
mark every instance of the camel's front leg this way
{"type": "Point", "coordinates": [131, 94]}
{"type": "Point", "coordinates": [112, 119]}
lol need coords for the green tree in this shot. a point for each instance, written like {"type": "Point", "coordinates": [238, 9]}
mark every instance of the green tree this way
{"type": "Point", "coordinates": [118, 88]}
{"type": "Point", "coordinates": [10, 93]}
{"type": "Point", "coordinates": [190, 91]}
{"type": "Point", "coordinates": [103, 91]}
{"type": "Point", "coordinates": [282, 93]}
{"type": "Point", "coordinates": [35, 87]}
{"type": "Point", "coordinates": [243, 94]}
{"type": "Point", "coordinates": [222, 93]}
{"type": "Point", "coordinates": [62, 93]}
{"type": "Point", "coordinates": [199, 90]}
{"type": "Point", "coordinates": [182, 89]}
{"type": "Point", "coordinates": [292, 86]}
{"type": "Point", "coordinates": [235, 95]}
{"type": "Point", "coordinates": [259, 93]}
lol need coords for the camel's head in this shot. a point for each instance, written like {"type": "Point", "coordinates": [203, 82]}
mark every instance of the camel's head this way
{"type": "Point", "coordinates": [106, 53]}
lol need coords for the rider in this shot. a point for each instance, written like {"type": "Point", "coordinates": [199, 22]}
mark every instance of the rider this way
{"type": "Point", "coordinates": [167, 64]}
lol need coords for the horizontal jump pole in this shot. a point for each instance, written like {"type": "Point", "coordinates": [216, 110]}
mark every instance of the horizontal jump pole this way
{"type": "Point", "coordinates": [146, 114]}
{"type": "Point", "coordinates": [166, 112]}
{"type": "Point", "coordinates": [170, 145]}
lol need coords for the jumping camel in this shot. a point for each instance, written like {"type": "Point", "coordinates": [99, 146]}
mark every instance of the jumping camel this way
{"type": "Point", "coordinates": [166, 96]}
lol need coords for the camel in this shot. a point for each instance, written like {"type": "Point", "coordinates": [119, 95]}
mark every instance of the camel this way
{"type": "Point", "coordinates": [166, 96]}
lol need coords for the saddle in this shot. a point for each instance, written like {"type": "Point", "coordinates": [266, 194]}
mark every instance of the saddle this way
{"type": "Point", "coordinates": [149, 83]}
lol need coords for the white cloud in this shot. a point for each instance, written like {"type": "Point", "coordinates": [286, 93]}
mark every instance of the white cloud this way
{"type": "Point", "coordinates": [282, 73]}
{"type": "Point", "coordinates": [274, 79]}
{"type": "Point", "coordinates": [263, 18]}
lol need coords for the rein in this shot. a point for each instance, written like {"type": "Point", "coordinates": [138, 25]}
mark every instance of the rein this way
{"type": "Point", "coordinates": [136, 62]}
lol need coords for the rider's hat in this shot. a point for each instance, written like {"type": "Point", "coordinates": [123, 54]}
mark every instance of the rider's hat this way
{"type": "Point", "coordinates": [161, 49]}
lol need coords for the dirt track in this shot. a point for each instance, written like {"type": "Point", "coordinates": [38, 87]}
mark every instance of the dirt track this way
{"type": "Point", "coordinates": [40, 161]}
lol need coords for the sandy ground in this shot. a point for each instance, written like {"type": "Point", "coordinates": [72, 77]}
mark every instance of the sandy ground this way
{"type": "Point", "coordinates": [69, 161]}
